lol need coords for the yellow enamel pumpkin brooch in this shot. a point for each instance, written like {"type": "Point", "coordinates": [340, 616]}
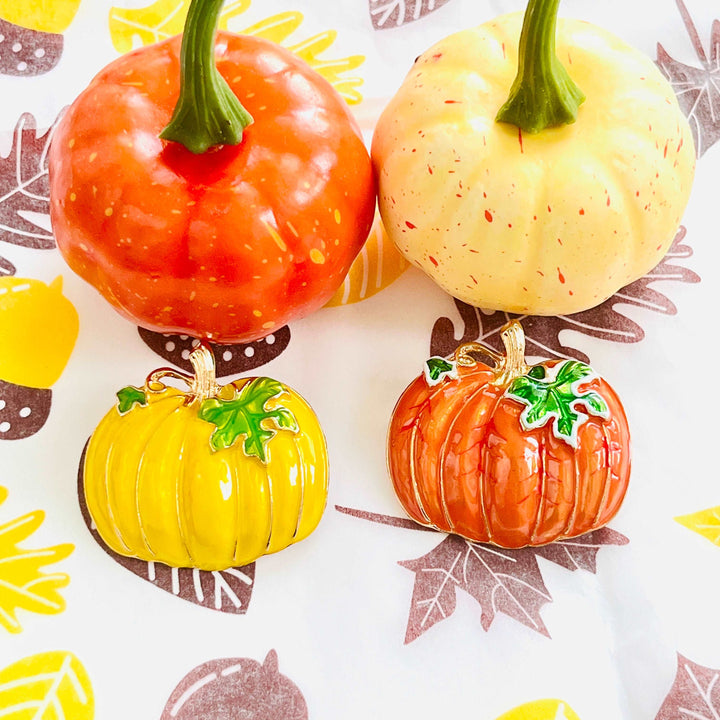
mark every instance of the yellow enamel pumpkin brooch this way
{"type": "Point", "coordinates": [208, 477]}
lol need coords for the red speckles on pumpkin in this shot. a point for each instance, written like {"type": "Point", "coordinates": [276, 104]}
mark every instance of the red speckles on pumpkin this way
{"type": "Point", "coordinates": [559, 241]}
{"type": "Point", "coordinates": [473, 279]}
{"type": "Point", "coordinates": [581, 211]}
{"type": "Point", "coordinates": [561, 277]}
{"type": "Point", "coordinates": [608, 201]}
{"type": "Point", "coordinates": [410, 225]}
{"type": "Point", "coordinates": [430, 170]}
{"type": "Point", "coordinates": [453, 102]}
{"type": "Point", "coordinates": [520, 140]}
{"type": "Point", "coordinates": [488, 216]}
{"type": "Point", "coordinates": [436, 56]}
{"type": "Point", "coordinates": [680, 144]}
{"type": "Point", "coordinates": [433, 260]}
{"type": "Point", "coordinates": [549, 209]}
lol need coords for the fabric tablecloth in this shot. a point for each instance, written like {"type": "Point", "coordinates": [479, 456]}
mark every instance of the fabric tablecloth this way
{"type": "Point", "coordinates": [371, 616]}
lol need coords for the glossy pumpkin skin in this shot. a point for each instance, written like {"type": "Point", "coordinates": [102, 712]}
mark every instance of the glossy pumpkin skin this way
{"type": "Point", "coordinates": [460, 462]}
{"type": "Point", "coordinates": [227, 245]}
{"type": "Point", "coordinates": [548, 223]}
{"type": "Point", "coordinates": [156, 491]}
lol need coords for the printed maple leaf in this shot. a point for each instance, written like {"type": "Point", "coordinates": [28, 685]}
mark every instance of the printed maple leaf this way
{"type": "Point", "coordinates": [23, 586]}
{"type": "Point", "coordinates": [24, 187]}
{"type": "Point", "coordinates": [394, 13]}
{"type": "Point", "coordinates": [697, 89]}
{"type": "Point", "coordinates": [604, 322]}
{"type": "Point", "coordinates": [695, 694]}
{"type": "Point", "coordinates": [500, 580]}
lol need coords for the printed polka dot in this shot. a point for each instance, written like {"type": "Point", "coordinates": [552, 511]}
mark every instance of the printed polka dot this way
{"type": "Point", "coordinates": [25, 412]}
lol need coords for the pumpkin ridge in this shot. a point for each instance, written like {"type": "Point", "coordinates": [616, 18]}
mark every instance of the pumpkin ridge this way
{"type": "Point", "coordinates": [466, 401]}
{"type": "Point", "coordinates": [180, 484]}
{"type": "Point", "coordinates": [301, 482]}
{"type": "Point", "coordinates": [142, 457]}
{"type": "Point", "coordinates": [117, 526]}
{"type": "Point", "coordinates": [542, 490]}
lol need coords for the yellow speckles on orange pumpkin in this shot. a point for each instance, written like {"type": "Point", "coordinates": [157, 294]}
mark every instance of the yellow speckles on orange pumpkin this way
{"type": "Point", "coordinates": [71, 143]}
{"type": "Point", "coordinates": [268, 325]}
{"type": "Point", "coordinates": [92, 157]}
{"type": "Point", "coordinates": [317, 257]}
{"type": "Point", "coordinates": [338, 217]}
{"type": "Point", "coordinates": [257, 313]}
{"type": "Point", "coordinates": [292, 229]}
{"type": "Point", "coordinates": [73, 197]}
{"type": "Point", "coordinates": [275, 235]}
{"type": "Point", "coordinates": [108, 211]}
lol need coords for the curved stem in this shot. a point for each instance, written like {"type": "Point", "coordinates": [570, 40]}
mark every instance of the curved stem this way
{"type": "Point", "coordinates": [543, 94]}
{"type": "Point", "coordinates": [203, 362]}
{"type": "Point", "coordinates": [513, 364]}
{"type": "Point", "coordinates": [207, 112]}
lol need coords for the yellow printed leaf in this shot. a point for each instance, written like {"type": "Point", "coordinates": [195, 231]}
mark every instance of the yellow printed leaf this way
{"type": "Point", "coordinates": [52, 16]}
{"type": "Point", "coordinates": [378, 265]}
{"type": "Point", "coordinates": [541, 710]}
{"type": "Point", "coordinates": [704, 522]}
{"type": "Point", "coordinates": [47, 686]}
{"type": "Point", "coordinates": [133, 27]}
{"type": "Point", "coordinates": [23, 586]}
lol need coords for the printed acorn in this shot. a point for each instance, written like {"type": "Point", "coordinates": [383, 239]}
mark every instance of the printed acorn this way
{"type": "Point", "coordinates": [213, 185]}
{"type": "Point", "coordinates": [513, 455]}
{"type": "Point", "coordinates": [38, 329]}
{"type": "Point", "coordinates": [210, 477]}
{"type": "Point", "coordinates": [534, 166]}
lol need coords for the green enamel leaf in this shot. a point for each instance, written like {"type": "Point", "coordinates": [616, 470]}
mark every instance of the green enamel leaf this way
{"type": "Point", "coordinates": [130, 396]}
{"type": "Point", "coordinates": [555, 400]}
{"type": "Point", "coordinates": [437, 369]}
{"type": "Point", "coordinates": [246, 416]}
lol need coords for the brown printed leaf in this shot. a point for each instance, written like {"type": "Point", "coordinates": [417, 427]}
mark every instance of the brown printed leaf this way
{"type": "Point", "coordinates": [228, 591]}
{"type": "Point", "coordinates": [236, 688]}
{"type": "Point", "coordinates": [6, 268]}
{"type": "Point", "coordinates": [394, 13]}
{"type": "Point", "coordinates": [697, 89]}
{"type": "Point", "coordinates": [500, 580]}
{"type": "Point", "coordinates": [25, 52]}
{"type": "Point", "coordinates": [229, 359]}
{"type": "Point", "coordinates": [542, 333]}
{"type": "Point", "coordinates": [24, 187]}
{"type": "Point", "coordinates": [695, 694]}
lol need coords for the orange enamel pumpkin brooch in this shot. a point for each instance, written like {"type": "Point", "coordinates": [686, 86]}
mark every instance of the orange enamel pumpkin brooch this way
{"type": "Point", "coordinates": [513, 455]}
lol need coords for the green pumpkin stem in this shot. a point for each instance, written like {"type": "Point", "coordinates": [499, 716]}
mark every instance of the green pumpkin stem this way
{"type": "Point", "coordinates": [207, 113]}
{"type": "Point", "coordinates": [543, 94]}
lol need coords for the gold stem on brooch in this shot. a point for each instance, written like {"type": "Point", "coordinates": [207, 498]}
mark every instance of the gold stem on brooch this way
{"type": "Point", "coordinates": [508, 366]}
{"type": "Point", "coordinates": [201, 385]}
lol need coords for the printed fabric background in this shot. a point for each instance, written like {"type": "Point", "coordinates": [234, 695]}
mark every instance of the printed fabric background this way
{"type": "Point", "coordinates": [372, 615]}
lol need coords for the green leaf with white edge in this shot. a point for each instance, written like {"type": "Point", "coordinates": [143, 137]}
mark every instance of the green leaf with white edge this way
{"type": "Point", "coordinates": [128, 397]}
{"type": "Point", "coordinates": [436, 369]}
{"type": "Point", "coordinates": [247, 416]}
{"type": "Point", "coordinates": [554, 397]}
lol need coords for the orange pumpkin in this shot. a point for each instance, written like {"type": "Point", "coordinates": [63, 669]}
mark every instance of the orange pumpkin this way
{"type": "Point", "coordinates": [511, 455]}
